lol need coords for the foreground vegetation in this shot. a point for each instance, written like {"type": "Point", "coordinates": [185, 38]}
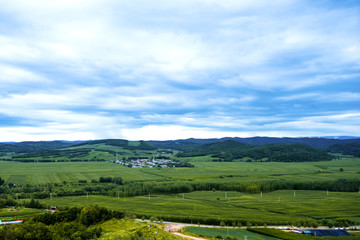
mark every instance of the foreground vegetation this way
{"type": "Point", "coordinates": [90, 222]}
{"type": "Point", "coordinates": [130, 229]}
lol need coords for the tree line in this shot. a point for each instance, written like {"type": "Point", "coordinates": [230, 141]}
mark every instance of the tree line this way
{"type": "Point", "coordinates": [117, 188]}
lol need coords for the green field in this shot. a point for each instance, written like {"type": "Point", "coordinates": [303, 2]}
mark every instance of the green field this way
{"type": "Point", "coordinates": [57, 172]}
{"type": "Point", "coordinates": [20, 213]}
{"type": "Point", "coordinates": [277, 207]}
{"type": "Point", "coordinates": [272, 208]}
{"type": "Point", "coordinates": [224, 233]}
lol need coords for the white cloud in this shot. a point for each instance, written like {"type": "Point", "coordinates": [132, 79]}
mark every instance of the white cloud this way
{"type": "Point", "coordinates": [325, 125]}
{"type": "Point", "coordinates": [169, 132]}
{"type": "Point", "coordinates": [198, 66]}
{"type": "Point", "coordinates": [323, 97]}
{"type": "Point", "coordinates": [14, 75]}
{"type": "Point", "coordinates": [41, 134]}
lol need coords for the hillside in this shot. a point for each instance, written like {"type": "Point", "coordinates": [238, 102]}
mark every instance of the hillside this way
{"type": "Point", "coordinates": [225, 149]}
{"type": "Point", "coordinates": [24, 147]}
{"type": "Point", "coordinates": [98, 150]}
{"type": "Point", "coordinates": [346, 149]}
{"type": "Point", "coordinates": [181, 145]}
{"type": "Point", "coordinates": [131, 145]}
{"type": "Point", "coordinates": [231, 150]}
{"type": "Point", "coordinates": [321, 143]}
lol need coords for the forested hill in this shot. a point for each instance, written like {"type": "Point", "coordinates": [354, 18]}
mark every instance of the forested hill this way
{"type": "Point", "coordinates": [231, 150]}
{"type": "Point", "coordinates": [346, 149]}
{"type": "Point", "coordinates": [227, 146]}
{"type": "Point", "coordinates": [181, 145]}
{"type": "Point", "coordinates": [224, 149]}
{"type": "Point", "coordinates": [24, 147]}
{"type": "Point", "coordinates": [130, 145]}
{"type": "Point", "coordinates": [321, 143]}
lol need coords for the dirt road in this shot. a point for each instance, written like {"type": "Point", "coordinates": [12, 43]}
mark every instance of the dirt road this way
{"type": "Point", "coordinates": [176, 228]}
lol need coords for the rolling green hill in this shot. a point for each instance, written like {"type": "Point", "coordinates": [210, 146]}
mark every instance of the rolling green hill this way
{"type": "Point", "coordinates": [226, 149]}
{"type": "Point", "coordinates": [231, 150]}
{"type": "Point", "coordinates": [130, 145]}
{"type": "Point", "coordinates": [99, 150]}
{"type": "Point", "coordinates": [24, 147]}
{"type": "Point", "coordinates": [321, 143]}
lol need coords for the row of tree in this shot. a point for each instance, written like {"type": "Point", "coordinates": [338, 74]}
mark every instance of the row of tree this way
{"type": "Point", "coordinates": [115, 187]}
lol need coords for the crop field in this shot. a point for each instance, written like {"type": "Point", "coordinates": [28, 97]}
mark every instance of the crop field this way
{"type": "Point", "coordinates": [41, 173]}
{"type": "Point", "coordinates": [224, 233]}
{"type": "Point", "coordinates": [56, 172]}
{"type": "Point", "coordinates": [278, 206]}
{"type": "Point", "coordinates": [20, 213]}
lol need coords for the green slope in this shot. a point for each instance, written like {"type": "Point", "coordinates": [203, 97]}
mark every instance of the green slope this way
{"type": "Point", "coordinates": [99, 150]}
{"type": "Point", "coordinates": [231, 150]}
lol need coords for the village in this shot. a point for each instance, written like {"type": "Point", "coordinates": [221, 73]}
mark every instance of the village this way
{"type": "Point", "coordinates": [147, 163]}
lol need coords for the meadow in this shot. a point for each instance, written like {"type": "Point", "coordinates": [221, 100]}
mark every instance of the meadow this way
{"type": "Point", "coordinates": [129, 229]}
{"type": "Point", "coordinates": [20, 213]}
{"type": "Point", "coordinates": [278, 207]}
{"type": "Point", "coordinates": [57, 172]}
{"type": "Point", "coordinates": [214, 206]}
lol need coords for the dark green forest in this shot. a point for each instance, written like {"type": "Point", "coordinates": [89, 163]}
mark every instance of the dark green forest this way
{"type": "Point", "coordinates": [231, 150]}
{"type": "Point", "coordinates": [346, 149]}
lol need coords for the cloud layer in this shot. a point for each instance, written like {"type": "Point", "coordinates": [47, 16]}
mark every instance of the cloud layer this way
{"type": "Point", "coordinates": [177, 69]}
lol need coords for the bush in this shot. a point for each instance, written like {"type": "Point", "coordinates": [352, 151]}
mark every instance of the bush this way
{"type": "Point", "coordinates": [11, 202]}
{"type": "Point", "coordinates": [34, 204]}
{"type": "Point", "coordinates": [2, 203]}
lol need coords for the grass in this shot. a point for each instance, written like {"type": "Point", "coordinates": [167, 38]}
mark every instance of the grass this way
{"type": "Point", "coordinates": [130, 229]}
{"type": "Point", "coordinates": [272, 208]}
{"type": "Point", "coordinates": [224, 233]}
{"type": "Point", "coordinates": [7, 214]}
{"type": "Point", "coordinates": [41, 173]}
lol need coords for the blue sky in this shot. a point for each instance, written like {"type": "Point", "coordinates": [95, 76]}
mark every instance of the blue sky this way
{"type": "Point", "coordinates": [94, 69]}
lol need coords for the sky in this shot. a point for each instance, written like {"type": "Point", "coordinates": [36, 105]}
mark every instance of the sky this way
{"type": "Point", "coordinates": [163, 70]}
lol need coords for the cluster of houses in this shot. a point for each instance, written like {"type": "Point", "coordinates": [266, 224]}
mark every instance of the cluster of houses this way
{"type": "Point", "coordinates": [147, 163]}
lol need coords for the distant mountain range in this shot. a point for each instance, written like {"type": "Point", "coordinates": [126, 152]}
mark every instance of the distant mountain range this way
{"type": "Point", "coordinates": [344, 144]}
{"type": "Point", "coordinates": [321, 143]}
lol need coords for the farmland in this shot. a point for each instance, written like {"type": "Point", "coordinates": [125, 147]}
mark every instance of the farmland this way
{"type": "Point", "coordinates": [213, 188]}
{"type": "Point", "coordinates": [57, 172]}
{"type": "Point", "coordinates": [279, 207]}
{"type": "Point", "coordinates": [233, 233]}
